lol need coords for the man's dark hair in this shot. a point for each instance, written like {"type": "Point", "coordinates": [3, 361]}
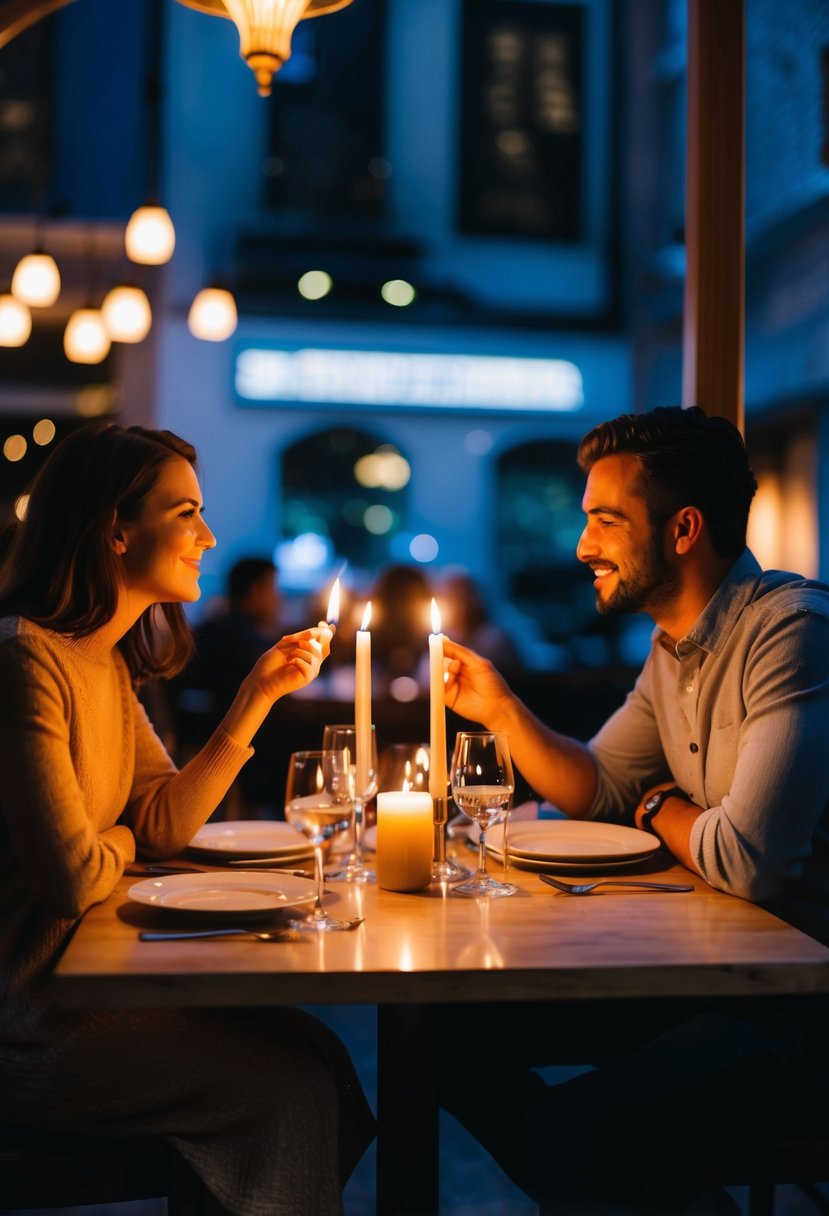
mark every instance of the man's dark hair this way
{"type": "Point", "coordinates": [687, 460]}
{"type": "Point", "coordinates": [246, 573]}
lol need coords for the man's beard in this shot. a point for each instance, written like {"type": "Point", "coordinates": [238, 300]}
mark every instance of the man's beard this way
{"type": "Point", "coordinates": [651, 583]}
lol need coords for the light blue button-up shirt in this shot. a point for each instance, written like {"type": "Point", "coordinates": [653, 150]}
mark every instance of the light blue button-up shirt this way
{"type": "Point", "coordinates": [737, 714]}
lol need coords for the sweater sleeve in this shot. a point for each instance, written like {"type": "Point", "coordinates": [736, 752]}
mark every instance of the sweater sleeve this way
{"type": "Point", "coordinates": [167, 806]}
{"type": "Point", "coordinates": [62, 859]}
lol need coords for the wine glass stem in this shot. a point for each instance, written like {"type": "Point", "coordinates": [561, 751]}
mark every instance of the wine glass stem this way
{"type": "Point", "coordinates": [482, 873]}
{"type": "Point", "coordinates": [359, 831]}
{"type": "Point", "coordinates": [319, 882]}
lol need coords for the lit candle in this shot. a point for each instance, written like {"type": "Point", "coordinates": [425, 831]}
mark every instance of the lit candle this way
{"type": "Point", "coordinates": [404, 841]}
{"type": "Point", "coordinates": [437, 711]}
{"type": "Point", "coordinates": [332, 616]}
{"type": "Point", "coordinates": [362, 703]}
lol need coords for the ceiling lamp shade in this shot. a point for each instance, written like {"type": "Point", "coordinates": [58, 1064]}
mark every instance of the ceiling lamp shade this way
{"type": "Point", "coordinates": [85, 339]}
{"type": "Point", "coordinates": [150, 237]}
{"type": "Point", "coordinates": [15, 321]}
{"type": "Point", "coordinates": [265, 29]}
{"type": "Point", "coordinates": [213, 315]}
{"type": "Point", "coordinates": [126, 313]}
{"type": "Point", "coordinates": [36, 280]}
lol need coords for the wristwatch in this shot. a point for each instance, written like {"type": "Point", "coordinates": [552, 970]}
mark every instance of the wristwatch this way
{"type": "Point", "coordinates": [653, 805]}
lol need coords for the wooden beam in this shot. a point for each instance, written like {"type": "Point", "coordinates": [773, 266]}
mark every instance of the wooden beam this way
{"type": "Point", "coordinates": [713, 325]}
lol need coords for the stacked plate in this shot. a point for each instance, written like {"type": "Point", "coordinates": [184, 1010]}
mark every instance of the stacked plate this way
{"type": "Point", "coordinates": [572, 844]}
{"type": "Point", "coordinates": [251, 840]}
{"type": "Point", "coordinates": [240, 893]}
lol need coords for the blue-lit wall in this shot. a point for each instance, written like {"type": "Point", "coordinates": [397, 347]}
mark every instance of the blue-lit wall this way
{"type": "Point", "coordinates": [214, 139]}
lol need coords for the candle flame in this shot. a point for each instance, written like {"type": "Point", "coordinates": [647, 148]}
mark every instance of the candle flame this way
{"type": "Point", "coordinates": [366, 616]}
{"type": "Point", "coordinates": [407, 779]}
{"type": "Point", "coordinates": [333, 613]}
{"type": "Point", "coordinates": [435, 617]}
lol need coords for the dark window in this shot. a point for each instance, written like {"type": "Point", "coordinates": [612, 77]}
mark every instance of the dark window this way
{"type": "Point", "coordinates": [326, 141]}
{"type": "Point", "coordinates": [522, 123]}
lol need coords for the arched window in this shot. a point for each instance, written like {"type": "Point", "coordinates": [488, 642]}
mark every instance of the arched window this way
{"type": "Point", "coordinates": [349, 487]}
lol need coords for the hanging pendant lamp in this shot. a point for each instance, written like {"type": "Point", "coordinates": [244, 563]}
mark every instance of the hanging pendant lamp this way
{"type": "Point", "coordinates": [213, 316]}
{"type": "Point", "coordinates": [150, 237]}
{"type": "Point", "coordinates": [15, 321]}
{"type": "Point", "coordinates": [85, 339]}
{"type": "Point", "coordinates": [265, 29]}
{"type": "Point", "coordinates": [126, 313]}
{"type": "Point", "coordinates": [36, 279]}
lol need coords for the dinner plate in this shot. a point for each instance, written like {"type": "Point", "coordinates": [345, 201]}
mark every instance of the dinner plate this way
{"type": "Point", "coordinates": [245, 891]}
{"type": "Point", "coordinates": [249, 838]}
{"type": "Point", "coordinates": [574, 840]}
{"type": "Point", "coordinates": [551, 866]}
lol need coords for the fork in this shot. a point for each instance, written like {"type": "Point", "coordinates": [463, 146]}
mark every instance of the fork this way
{"type": "Point", "coordinates": [262, 935]}
{"type": "Point", "coordinates": [584, 888]}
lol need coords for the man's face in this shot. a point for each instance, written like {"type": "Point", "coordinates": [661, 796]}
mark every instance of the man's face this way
{"type": "Point", "coordinates": [619, 542]}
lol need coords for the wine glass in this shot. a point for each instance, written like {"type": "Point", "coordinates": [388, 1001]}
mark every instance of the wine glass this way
{"type": "Point", "coordinates": [312, 808]}
{"type": "Point", "coordinates": [482, 787]}
{"type": "Point", "coordinates": [356, 786]}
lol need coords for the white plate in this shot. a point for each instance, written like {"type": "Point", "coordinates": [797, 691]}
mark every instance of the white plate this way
{"type": "Point", "coordinates": [550, 866]}
{"type": "Point", "coordinates": [574, 840]}
{"type": "Point", "coordinates": [241, 891]}
{"type": "Point", "coordinates": [242, 838]}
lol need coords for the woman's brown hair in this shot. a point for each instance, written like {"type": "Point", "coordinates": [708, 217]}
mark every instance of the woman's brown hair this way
{"type": "Point", "coordinates": [61, 571]}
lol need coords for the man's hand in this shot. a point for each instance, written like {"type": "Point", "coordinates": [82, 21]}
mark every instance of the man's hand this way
{"type": "Point", "coordinates": [640, 810]}
{"type": "Point", "coordinates": [473, 688]}
{"type": "Point", "coordinates": [672, 823]}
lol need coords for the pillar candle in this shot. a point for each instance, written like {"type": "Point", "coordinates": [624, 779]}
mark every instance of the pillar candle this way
{"type": "Point", "coordinates": [362, 704]}
{"type": "Point", "coordinates": [404, 841]}
{"type": "Point", "coordinates": [437, 710]}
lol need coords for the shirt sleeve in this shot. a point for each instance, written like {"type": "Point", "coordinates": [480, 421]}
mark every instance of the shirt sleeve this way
{"type": "Point", "coordinates": [166, 806]}
{"type": "Point", "coordinates": [63, 860]}
{"type": "Point", "coordinates": [628, 754]}
{"type": "Point", "coordinates": [761, 835]}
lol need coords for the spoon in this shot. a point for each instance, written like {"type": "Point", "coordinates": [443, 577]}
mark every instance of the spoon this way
{"type": "Point", "coordinates": [262, 935]}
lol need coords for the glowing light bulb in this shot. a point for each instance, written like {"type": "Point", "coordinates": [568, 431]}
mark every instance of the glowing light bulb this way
{"type": "Point", "coordinates": [36, 280]}
{"type": "Point", "coordinates": [126, 313]}
{"type": "Point", "coordinates": [15, 321]}
{"type": "Point", "coordinates": [212, 315]}
{"type": "Point", "coordinates": [150, 237]}
{"type": "Point", "coordinates": [85, 339]}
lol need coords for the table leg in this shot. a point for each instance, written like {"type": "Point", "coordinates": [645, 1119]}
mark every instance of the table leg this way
{"type": "Point", "coordinates": [407, 1111]}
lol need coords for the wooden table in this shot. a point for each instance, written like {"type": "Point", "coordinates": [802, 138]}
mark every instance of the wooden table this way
{"type": "Point", "coordinates": [414, 951]}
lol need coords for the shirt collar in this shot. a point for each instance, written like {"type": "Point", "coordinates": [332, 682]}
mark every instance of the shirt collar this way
{"type": "Point", "coordinates": [721, 613]}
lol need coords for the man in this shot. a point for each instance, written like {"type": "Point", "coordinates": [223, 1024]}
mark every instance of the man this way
{"type": "Point", "coordinates": [720, 750]}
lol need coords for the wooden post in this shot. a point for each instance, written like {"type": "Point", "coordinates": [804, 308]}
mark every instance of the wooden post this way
{"type": "Point", "coordinates": [713, 325]}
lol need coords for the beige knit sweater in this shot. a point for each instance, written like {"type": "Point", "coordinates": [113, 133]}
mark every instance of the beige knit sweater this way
{"type": "Point", "coordinates": [85, 784]}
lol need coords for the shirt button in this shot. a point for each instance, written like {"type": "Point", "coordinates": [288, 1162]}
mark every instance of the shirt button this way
{"type": "Point", "coordinates": [689, 688]}
{"type": "Point", "coordinates": [695, 748]}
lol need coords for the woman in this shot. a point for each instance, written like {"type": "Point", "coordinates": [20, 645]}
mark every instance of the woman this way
{"type": "Point", "coordinates": [265, 1108]}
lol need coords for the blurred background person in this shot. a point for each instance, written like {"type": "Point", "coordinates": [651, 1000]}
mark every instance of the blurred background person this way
{"type": "Point", "coordinates": [400, 624]}
{"type": "Point", "coordinates": [227, 643]}
{"type": "Point", "coordinates": [464, 617]}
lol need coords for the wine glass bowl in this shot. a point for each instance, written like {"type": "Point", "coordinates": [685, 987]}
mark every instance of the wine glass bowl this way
{"type": "Point", "coordinates": [313, 809]}
{"type": "Point", "coordinates": [353, 781]}
{"type": "Point", "coordinates": [482, 787]}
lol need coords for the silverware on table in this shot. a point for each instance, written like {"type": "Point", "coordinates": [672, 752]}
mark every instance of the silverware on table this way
{"type": "Point", "coordinates": [584, 888]}
{"type": "Point", "coordinates": [262, 935]}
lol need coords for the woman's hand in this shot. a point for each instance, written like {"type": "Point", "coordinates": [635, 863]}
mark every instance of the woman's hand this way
{"type": "Point", "coordinates": [473, 688]}
{"type": "Point", "coordinates": [293, 662]}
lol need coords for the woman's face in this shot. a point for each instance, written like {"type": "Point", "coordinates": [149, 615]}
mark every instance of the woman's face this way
{"type": "Point", "coordinates": [164, 546]}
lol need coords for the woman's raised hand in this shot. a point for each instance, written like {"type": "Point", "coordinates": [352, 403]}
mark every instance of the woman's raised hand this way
{"type": "Point", "coordinates": [293, 662]}
{"type": "Point", "coordinates": [474, 689]}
